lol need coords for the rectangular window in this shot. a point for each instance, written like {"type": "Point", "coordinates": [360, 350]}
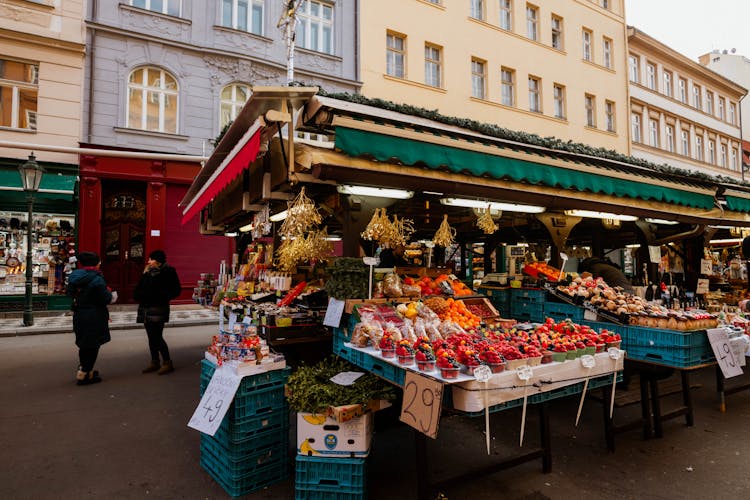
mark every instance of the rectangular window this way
{"type": "Point", "coordinates": [732, 113]}
{"type": "Point", "coordinates": [395, 55]}
{"type": "Point", "coordinates": [699, 148]}
{"type": "Point", "coordinates": [607, 51]}
{"type": "Point", "coordinates": [315, 26]}
{"type": "Point", "coordinates": [477, 9]}
{"type": "Point", "coordinates": [723, 156]}
{"type": "Point", "coordinates": [685, 140]}
{"type": "Point", "coordinates": [682, 86]}
{"type": "Point", "coordinates": [635, 127]}
{"type": "Point", "coordinates": [532, 22]}
{"type": "Point", "coordinates": [478, 79]}
{"type": "Point", "coordinates": [558, 93]}
{"type": "Point", "coordinates": [245, 15]}
{"type": "Point", "coordinates": [722, 109]}
{"type": "Point", "coordinates": [609, 111]}
{"type": "Point", "coordinates": [670, 138]}
{"type": "Point", "coordinates": [633, 69]}
{"type": "Point", "coordinates": [712, 152]}
{"type": "Point", "coordinates": [667, 83]}
{"type": "Point", "coordinates": [535, 94]}
{"type": "Point", "coordinates": [19, 88]}
{"type": "Point", "coordinates": [734, 159]}
{"type": "Point", "coordinates": [589, 102]}
{"type": "Point", "coordinates": [169, 7]}
{"type": "Point", "coordinates": [432, 66]}
{"type": "Point", "coordinates": [653, 133]}
{"type": "Point", "coordinates": [557, 32]}
{"type": "Point", "coordinates": [586, 38]}
{"type": "Point", "coordinates": [697, 97]}
{"type": "Point", "coordinates": [651, 76]}
{"type": "Point", "coordinates": [506, 14]}
{"type": "Point", "coordinates": [507, 83]}
{"type": "Point", "coordinates": [709, 102]}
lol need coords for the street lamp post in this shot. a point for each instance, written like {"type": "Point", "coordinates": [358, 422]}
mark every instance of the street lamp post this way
{"type": "Point", "coordinates": [31, 176]}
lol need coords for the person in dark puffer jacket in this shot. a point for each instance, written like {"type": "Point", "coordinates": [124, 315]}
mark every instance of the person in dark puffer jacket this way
{"type": "Point", "coordinates": [158, 285]}
{"type": "Point", "coordinates": [91, 296]}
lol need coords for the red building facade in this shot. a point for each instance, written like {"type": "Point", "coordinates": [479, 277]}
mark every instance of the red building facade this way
{"type": "Point", "coordinates": [128, 208]}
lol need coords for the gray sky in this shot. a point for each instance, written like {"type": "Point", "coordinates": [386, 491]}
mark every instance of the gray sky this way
{"type": "Point", "coordinates": [693, 27]}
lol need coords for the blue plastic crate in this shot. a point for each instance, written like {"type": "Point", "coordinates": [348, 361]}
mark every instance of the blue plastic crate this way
{"type": "Point", "coordinates": [255, 402]}
{"type": "Point", "coordinates": [331, 474]}
{"type": "Point", "coordinates": [526, 311]}
{"type": "Point", "coordinates": [320, 493]}
{"type": "Point", "coordinates": [238, 431]}
{"type": "Point", "coordinates": [561, 311]}
{"type": "Point", "coordinates": [237, 462]}
{"type": "Point", "coordinates": [668, 347]}
{"type": "Point", "coordinates": [528, 295]}
{"type": "Point", "coordinates": [249, 383]}
{"type": "Point", "coordinates": [377, 366]}
{"type": "Point", "coordinates": [239, 485]}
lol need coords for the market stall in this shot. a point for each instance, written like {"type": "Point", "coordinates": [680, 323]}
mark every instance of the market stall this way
{"type": "Point", "coordinates": [482, 225]}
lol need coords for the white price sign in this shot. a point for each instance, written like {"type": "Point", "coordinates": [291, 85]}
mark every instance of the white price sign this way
{"type": "Point", "coordinates": [215, 401]}
{"type": "Point", "coordinates": [707, 267]}
{"type": "Point", "coordinates": [702, 287]}
{"type": "Point", "coordinates": [334, 312]}
{"type": "Point", "coordinates": [719, 340]}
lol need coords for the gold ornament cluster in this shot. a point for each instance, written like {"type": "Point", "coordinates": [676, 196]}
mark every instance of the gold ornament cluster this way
{"type": "Point", "coordinates": [303, 241]}
{"type": "Point", "coordinates": [486, 223]}
{"type": "Point", "coordinates": [445, 235]}
{"type": "Point", "coordinates": [386, 232]}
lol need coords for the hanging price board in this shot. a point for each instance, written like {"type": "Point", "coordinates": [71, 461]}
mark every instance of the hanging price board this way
{"type": "Point", "coordinates": [719, 340]}
{"type": "Point", "coordinates": [707, 267]}
{"type": "Point", "coordinates": [702, 287]}
{"type": "Point", "coordinates": [215, 401]}
{"type": "Point", "coordinates": [423, 401]}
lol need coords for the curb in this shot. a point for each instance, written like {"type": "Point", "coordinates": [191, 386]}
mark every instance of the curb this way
{"type": "Point", "coordinates": [22, 331]}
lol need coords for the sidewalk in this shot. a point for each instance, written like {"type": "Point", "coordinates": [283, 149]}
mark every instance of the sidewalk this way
{"type": "Point", "coordinates": [121, 317]}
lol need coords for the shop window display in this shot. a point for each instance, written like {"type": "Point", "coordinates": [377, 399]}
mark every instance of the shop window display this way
{"type": "Point", "coordinates": [53, 238]}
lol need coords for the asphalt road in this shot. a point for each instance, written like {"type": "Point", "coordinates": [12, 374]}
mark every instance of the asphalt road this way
{"type": "Point", "coordinates": [127, 437]}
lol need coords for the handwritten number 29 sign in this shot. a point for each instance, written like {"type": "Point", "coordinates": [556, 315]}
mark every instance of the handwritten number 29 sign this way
{"type": "Point", "coordinates": [423, 399]}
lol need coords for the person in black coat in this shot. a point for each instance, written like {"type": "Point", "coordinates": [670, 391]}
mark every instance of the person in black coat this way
{"type": "Point", "coordinates": [158, 285]}
{"type": "Point", "coordinates": [90, 296]}
{"type": "Point", "coordinates": [609, 272]}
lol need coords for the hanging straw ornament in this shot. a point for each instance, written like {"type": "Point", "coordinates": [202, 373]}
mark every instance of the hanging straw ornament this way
{"type": "Point", "coordinates": [302, 215]}
{"type": "Point", "coordinates": [485, 222]}
{"type": "Point", "coordinates": [317, 246]}
{"type": "Point", "coordinates": [445, 235]}
{"type": "Point", "coordinates": [377, 227]}
{"type": "Point", "coordinates": [401, 231]}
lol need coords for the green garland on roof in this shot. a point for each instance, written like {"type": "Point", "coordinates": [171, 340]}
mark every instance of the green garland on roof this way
{"type": "Point", "coordinates": [525, 137]}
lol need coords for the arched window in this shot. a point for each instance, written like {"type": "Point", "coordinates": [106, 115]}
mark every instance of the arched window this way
{"type": "Point", "coordinates": [233, 97]}
{"type": "Point", "coordinates": [152, 100]}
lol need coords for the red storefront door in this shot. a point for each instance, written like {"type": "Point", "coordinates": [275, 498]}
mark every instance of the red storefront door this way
{"type": "Point", "coordinates": [123, 238]}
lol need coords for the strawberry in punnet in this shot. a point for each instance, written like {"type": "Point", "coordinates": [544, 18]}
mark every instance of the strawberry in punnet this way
{"type": "Point", "coordinates": [404, 348]}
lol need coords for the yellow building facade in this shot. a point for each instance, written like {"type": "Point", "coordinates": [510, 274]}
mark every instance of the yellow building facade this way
{"type": "Point", "coordinates": [682, 113]}
{"type": "Point", "coordinates": [42, 48]}
{"type": "Point", "coordinates": [553, 68]}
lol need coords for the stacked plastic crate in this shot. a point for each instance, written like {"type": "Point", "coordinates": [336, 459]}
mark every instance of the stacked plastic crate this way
{"type": "Point", "coordinates": [335, 478]}
{"type": "Point", "coordinates": [250, 449]}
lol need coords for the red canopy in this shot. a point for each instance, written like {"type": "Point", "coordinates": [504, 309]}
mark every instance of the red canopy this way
{"type": "Point", "coordinates": [232, 166]}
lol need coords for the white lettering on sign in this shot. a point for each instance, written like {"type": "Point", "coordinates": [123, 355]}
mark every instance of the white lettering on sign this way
{"type": "Point", "coordinates": [215, 401]}
{"type": "Point", "coordinates": [719, 339]}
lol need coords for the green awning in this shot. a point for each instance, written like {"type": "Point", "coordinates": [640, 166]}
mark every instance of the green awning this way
{"type": "Point", "coordinates": [410, 152]}
{"type": "Point", "coordinates": [737, 204]}
{"type": "Point", "coordinates": [10, 180]}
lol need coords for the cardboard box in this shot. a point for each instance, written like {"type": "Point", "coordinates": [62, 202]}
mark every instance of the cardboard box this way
{"type": "Point", "coordinates": [322, 435]}
{"type": "Point", "coordinates": [348, 412]}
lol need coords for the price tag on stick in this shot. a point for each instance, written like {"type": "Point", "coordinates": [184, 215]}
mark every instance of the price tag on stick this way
{"type": "Point", "coordinates": [215, 401]}
{"type": "Point", "coordinates": [719, 339]}
{"type": "Point", "coordinates": [423, 401]}
{"type": "Point", "coordinates": [587, 361]}
{"type": "Point", "coordinates": [524, 373]}
{"type": "Point", "coordinates": [614, 354]}
{"type": "Point", "coordinates": [334, 312]}
{"type": "Point", "coordinates": [483, 373]}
